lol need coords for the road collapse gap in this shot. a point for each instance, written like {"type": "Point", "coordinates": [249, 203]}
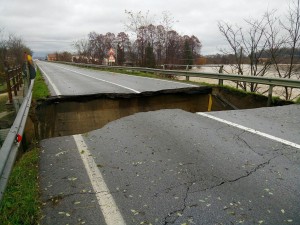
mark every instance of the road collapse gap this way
{"type": "Point", "coordinates": [69, 115]}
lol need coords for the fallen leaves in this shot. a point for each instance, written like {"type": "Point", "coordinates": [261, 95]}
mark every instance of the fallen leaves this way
{"type": "Point", "coordinates": [64, 213]}
{"type": "Point", "coordinates": [60, 153]}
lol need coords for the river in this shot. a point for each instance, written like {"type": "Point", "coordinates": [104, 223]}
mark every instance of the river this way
{"type": "Point", "coordinates": [263, 89]}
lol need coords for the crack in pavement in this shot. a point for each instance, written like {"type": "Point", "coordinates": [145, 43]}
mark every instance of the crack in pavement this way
{"type": "Point", "coordinates": [238, 136]}
{"type": "Point", "coordinates": [262, 165]}
{"type": "Point", "coordinates": [179, 212]}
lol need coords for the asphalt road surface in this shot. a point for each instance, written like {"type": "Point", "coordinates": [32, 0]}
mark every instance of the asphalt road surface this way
{"type": "Point", "coordinates": [176, 167]}
{"type": "Point", "coordinates": [70, 80]}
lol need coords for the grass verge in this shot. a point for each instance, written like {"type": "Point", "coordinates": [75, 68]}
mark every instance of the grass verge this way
{"type": "Point", "coordinates": [40, 89]}
{"type": "Point", "coordinates": [20, 203]}
{"type": "Point", "coordinates": [3, 87]}
{"type": "Point", "coordinates": [3, 101]}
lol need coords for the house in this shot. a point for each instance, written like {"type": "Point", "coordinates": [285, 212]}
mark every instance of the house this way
{"type": "Point", "coordinates": [51, 57]}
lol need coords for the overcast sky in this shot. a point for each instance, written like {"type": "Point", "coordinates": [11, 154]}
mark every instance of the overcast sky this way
{"type": "Point", "coordinates": [53, 25]}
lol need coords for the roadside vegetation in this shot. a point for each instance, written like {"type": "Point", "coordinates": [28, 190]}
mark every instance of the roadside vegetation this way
{"type": "Point", "coordinates": [20, 203]}
{"type": "Point", "coordinates": [3, 101]}
{"type": "Point", "coordinates": [2, 87]}
{"type": "Point", "coordinates": [40, 89]}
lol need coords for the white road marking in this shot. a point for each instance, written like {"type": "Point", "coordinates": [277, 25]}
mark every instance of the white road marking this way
{"type": "Point", "coordinates": [110, 210]}
{"type": "Point", "coordinates": [251, 130]}
{"type": "Point", "coordinates": [57, 92]}
{"type": "Point", "coordinates": [170, 81]}
{"type": "Point", "coordinates": [100, 79]}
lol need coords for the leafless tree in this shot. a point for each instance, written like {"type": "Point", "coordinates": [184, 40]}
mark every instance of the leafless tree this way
{"type": "Point", "coordinates": [270, 40]}
{"type": "Point", "coordinates": [248, 46]}
{"type": "Point", "coordinates": [233, 36]}
{"type": "Point", "coordinates": [293, 43]}
{"type": "Point", "coordinates": [166, 44]}
{"type": "Point", "coordinates": [83, 47]}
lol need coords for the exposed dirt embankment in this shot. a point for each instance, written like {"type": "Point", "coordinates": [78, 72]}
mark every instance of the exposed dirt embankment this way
{"type": "Point", "coordinates": [243, 100]}
{"type": "Point", "coordinates": [70, 115]}
{"type": "Point", "coordinates": [79, 114]}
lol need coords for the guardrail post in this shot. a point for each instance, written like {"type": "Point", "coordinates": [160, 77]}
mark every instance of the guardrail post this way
{"type": "Point", "coordinates": [221, 71]}
{"type": "Point", "coordinates": [270, 96]}
{"type": "Point", "coordinates": [187, 78]}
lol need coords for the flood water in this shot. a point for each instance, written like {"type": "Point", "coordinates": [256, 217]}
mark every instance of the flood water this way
{"type": "Point", "coordinates": [263, 89]}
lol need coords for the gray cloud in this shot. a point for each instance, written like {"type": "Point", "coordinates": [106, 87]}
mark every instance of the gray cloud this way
{"type": "Point", "coordinates": [52, 25]}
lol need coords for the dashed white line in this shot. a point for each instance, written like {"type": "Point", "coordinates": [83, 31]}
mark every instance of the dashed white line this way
{"type": "Point", "coordinates": [57, 92]}
{"type": "Point", "coordinates": [100, 79]}
{"type": "Point", "coordinates": [110, 210]}
{"type": "Point", "coordinates": [251, 130]}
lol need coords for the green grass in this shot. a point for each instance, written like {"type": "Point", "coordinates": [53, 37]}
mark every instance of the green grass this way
{"type": "Point", "coordinates": [40, 89]}
{"type": "Point", "coordinates": [3, 87]}
{"type": "Point", "coordinates": [3, 101]}
{"type": "Point", "coordinates": [20, 203]}
{"type": "Point", "coordinates": [298, 101]}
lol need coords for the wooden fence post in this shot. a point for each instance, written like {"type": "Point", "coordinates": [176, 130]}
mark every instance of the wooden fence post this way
{"type": "Point", "coordinates": [6, 69]}
{"type": "Point", "coordinates": [14, 81]}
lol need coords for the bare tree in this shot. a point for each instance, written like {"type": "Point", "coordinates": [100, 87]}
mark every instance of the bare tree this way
{"type": "Point", "coordinates": [16, 49]}
{"type": "Point", "coordinates": [164, 44]}
{"type": "Point", "coordinates": [173, 48]}
{"type": "Point", "coordinates": [234, 38]}
{"type": "Point", "coordinates": [3, 48]}
{"type": "Point", "coordinates": [123, 47]}
{"type": "Point", "coordinates": [96, 45]}
{"type": "Point", "coordinates": [293, 43]}
{"type": "Point", "coordinates": [248, 46]}
{"type": "Point", "coordinates": [83, 48]}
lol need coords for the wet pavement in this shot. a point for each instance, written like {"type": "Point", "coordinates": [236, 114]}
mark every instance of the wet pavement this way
{"type": "Point", "coordinates": [175, 167]}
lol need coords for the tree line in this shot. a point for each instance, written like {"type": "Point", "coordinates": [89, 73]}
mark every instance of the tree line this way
{"type": "Point", "coordinates": [264, 44]}
{"type": "Point", "coordinates": [12, 50]}
{"type": "Point", "coordinates": [146, 43]}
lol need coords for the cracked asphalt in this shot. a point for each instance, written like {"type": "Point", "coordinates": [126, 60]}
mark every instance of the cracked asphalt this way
{"type": "Point", "coordinates": [175, 167]}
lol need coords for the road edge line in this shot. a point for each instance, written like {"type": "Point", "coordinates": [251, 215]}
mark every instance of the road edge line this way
{"type": "Point", "coordinates": [289, 143]}
{"type": "Point", "coordinates": [57, 92]}
{"type": "Point", "coordinates": [100, 79]}
{"type": "Point", "coordinates": [110, 210]}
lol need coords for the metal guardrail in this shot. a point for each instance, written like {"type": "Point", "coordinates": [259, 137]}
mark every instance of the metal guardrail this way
{"type": "Point", "coordinates": [9, 149]}
{"type": "Point", "coordinates": [272, 82]}
{"type": "Point", "coordinates": [220, 76]}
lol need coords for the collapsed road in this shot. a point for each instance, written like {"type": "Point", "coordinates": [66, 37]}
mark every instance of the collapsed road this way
{"type": "Point", "coordinates": [172, 166]}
